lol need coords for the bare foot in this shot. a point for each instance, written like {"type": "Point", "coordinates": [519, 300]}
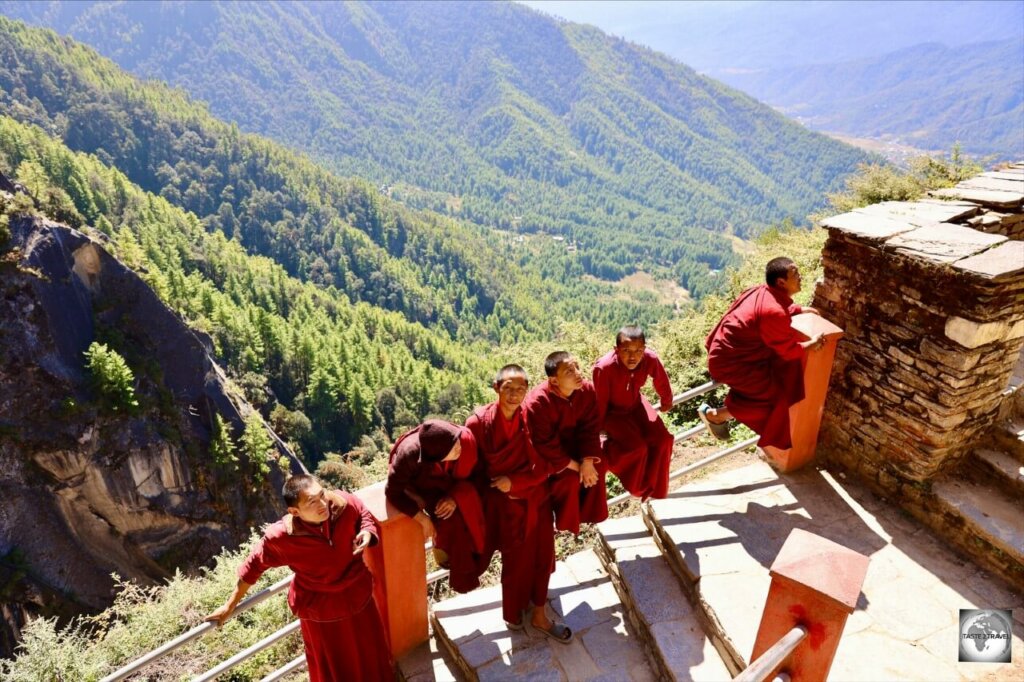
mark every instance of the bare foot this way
{"type": "Point", "coordinates": [539, 618]}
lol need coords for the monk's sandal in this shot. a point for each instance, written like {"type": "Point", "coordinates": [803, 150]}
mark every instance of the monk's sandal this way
{"type": "Point", "coordinates": [719, 431]}
{"type": "Point", "coordinates": [559, 632]}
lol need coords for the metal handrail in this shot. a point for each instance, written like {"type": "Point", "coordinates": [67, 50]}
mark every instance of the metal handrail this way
{"type": "Point", "coordinates": [198, 631]}
{"type": "Point", "coordinates": [432, 578]}
{"type": "Point", "coordinates": [259, 646]}
{"type": "Point", "coordinates": [692, 393]}
{"type": "Point", "coordinates": [297, 663]}
{"type": "Point", "coordinates": [766, 663]}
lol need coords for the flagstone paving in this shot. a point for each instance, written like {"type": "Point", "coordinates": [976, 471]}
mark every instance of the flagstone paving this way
{"type": "Point", "coordinates": [722, 534]}
{"type": "Point", "coordinates": [582, 596]}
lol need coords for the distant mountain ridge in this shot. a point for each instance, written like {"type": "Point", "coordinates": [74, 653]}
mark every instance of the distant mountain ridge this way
{"type": "Point", "coordinates": [489, 111]}
{"type": "Point", "coordinates": [929, 96]}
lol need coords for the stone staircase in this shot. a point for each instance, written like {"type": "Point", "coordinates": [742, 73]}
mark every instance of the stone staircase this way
{"type": "Point", "coordinates": [983, 501]}
{"type": "Point", "coordinates": [676, 593]}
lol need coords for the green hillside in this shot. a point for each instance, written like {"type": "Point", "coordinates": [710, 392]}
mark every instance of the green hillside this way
{"type": "Point", "coordinates": [491, 112]}
{"type": "Point", "coordinates": [466, 280]}
{"type": "Point", "coordinates": [326, 371]}
{"type": "Point", "coordinates": [929, 96]}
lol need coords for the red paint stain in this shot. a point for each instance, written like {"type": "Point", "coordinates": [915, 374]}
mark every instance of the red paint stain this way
{"type": "Point", "coordinates": [816, 632]}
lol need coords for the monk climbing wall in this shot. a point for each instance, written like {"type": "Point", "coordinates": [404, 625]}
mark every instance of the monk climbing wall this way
{"type": "Point", "coordinates": [933, 309]}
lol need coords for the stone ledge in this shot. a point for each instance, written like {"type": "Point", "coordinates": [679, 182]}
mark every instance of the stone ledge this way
{"type": "Point", "coordinates": [1004, 260]}
{"type": "Point", "coordinates": [943, 242]}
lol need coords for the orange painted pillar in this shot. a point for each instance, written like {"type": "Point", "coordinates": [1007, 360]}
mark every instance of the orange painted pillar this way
{"type": "Point", "coordinates": [399, 566]}
{"type": "Point", "coordinates": [805, 416]}
{"type": "Point", "coordinates": [816, 584]}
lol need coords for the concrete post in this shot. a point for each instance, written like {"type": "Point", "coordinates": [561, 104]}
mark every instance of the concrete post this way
{"type": "Point", "coordinates": [399, 566]}
{"type": "Point", "coordinates": [805, 416]}
{"type": "Point", "coordinates": [816, 584]}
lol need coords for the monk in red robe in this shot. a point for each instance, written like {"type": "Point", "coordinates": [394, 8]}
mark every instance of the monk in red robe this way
{"type": "Point", "coordinates": [432, 478]}
{"type": "Point", "coordinates": [637, 447]}
{"type": "Point", "coordinates": [561, 414]}
{"type": "Point", "coordinates": [517, 504]}
{"type": "Point", "coordinates": [322, 539]}
{"type": "Point", "coordinates": [757, 353]}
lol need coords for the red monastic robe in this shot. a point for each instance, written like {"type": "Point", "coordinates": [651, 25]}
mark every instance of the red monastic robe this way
{"type": "Point", "coordinates": [755, 351]}
{"type": "Point", "coordinates": [565, 429]}
{"type": "Point", "coordinates": [462, 536]}
{"type": "Point", "coordinates": [638, 447]}
{"type": "Point", "coordinates": [332, 593]}
{"type": "Point", "coordinates": [520, 521]}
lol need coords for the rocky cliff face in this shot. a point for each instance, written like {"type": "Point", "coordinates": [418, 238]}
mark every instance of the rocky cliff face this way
{"type": "Point", "coordinates": [87, 492]}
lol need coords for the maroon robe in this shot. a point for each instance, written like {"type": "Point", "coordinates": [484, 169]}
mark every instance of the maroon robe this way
{"type": "Point", "coordinates": [564, 430]}
{"type": "Point", "coordinates": [415, 467]}
{"type": "Point", "coordinates": [756, 352]}
{"type": "Point", "coordinates": [332, 592]}
{"type": "Point", "coordinates": [638, 447]}
{"type": "Point", "coordinates": [519, 521]}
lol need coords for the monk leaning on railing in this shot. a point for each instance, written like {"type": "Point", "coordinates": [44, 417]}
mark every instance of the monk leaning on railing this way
{"type": "Point", "coordinates": [322, 539]}
{"type": "Point", "coordinates": [638, 447]}
{"type": "Point", "coordinates": [756, 352]}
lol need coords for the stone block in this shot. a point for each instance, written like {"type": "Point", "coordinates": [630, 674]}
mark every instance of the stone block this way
{"type": "Point", "coordinates": [957, 360]}
{"type": "Point", "coordinates": [900, 355]}
{"type": "Point", "coordinates": [971, 334]}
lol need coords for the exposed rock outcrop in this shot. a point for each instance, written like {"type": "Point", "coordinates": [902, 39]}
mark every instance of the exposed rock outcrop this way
{"type": "Point", "coordinates": [89, 492]}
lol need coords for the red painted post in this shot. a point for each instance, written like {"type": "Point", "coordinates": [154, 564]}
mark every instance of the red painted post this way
{"type": "Point", "coordinates": [816, 584]}
{"type": "Point", "coordinates": [805, 416]}
{"type": "Point", "coordinates": [399, 567]}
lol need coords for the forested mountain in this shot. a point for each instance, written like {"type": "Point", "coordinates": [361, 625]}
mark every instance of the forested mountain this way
{"type": "Point", "coordinates": [491, 112]}
{"type": "Point", "coordinates": [929, 96]}
{"type": "Point", "coordinates": [344, 370]}
{"type": "Point", "coordinates": [321, 228]}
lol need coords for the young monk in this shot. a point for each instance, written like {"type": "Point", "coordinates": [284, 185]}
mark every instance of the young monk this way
{"type": "Point", "coordinates": [518, 508]}
{"type": "Point", "coordinates": [755, 350]}
{"type": "Point", "coordinates": [431, 478]}
{"type": "Point", "coordinates": [322, 539]}
{"type": "Point", "coordinates": [638, 447]}
{"type": "Point", "coordinates": [561, 414]}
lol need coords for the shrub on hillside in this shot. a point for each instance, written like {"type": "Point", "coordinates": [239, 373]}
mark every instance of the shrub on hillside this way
{"type": "Point", "coordinates": [111, 378]}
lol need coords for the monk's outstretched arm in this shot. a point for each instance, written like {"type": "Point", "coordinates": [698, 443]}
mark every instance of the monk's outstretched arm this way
{"type": "Point", "coordinates": [659, 377]}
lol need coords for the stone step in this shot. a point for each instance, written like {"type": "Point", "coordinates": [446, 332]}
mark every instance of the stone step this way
{"type": "Point", "coordinates": [990, 518]}
{"type": "Point", "coordinates": [429, 662]}
{"type": "Point", "coordinates": [470, 627]}
{"type": "Point", "coordinates": [722, 533]}
{"type": "Point", "coordinates": [655, 605]}
{"type": "Point", "coordinates": [1008, 435]}
{"type": "Point", "coordinates": [1004, 470]}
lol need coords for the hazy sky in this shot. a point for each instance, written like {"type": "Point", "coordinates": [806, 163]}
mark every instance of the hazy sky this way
{"type": "Point", "coordinates": [750, 34]}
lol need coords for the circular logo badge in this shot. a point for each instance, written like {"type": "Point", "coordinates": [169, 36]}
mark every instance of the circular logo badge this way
{"type": "Point", "coordinates": [985, 636]}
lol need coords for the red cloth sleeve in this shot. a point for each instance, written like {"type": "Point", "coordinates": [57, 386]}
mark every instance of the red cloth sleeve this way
{"type": "Point", "coordinates": [367, 522]}
{"type": "Point", "coordinates": [260, 560]}
{"type": "Point", "coordinates": [603, 391]}
{"type": "Point", "coordinates": [660, 379]}
{"type": "Point", "coordinates": [527, 478]}
{"type": "Point", "coordinates": [794, 309]}
{"type": "Point", "coordinates": [401, 473]}
{"type": "Point", "coordinates": [588, 428]}
{"type": "Point", "coordinates": [544, 435]}
{"type": "Point", "coordinates": [779, 335]}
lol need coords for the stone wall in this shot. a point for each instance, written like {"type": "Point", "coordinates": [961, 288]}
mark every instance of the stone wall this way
{"type": "Point", "coordinates": [933, 311]}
